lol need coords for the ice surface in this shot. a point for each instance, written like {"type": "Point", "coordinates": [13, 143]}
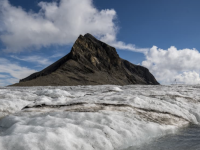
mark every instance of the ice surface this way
{"type": "Point", "coordinates": [93, 117]}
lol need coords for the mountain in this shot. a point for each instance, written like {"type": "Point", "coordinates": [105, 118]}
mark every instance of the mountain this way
{"type": "Point", "coordinates": [90, 62]}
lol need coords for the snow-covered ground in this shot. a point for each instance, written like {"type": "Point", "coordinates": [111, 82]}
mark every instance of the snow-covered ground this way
{"type": "Point", "coordinates": [93, 117]}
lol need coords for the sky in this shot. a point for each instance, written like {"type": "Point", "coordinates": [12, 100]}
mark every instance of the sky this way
{"type": "Point", "coordinates": [162, 35]}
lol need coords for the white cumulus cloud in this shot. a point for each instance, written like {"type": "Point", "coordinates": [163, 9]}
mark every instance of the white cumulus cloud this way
{"type": "Point", "coordinates": [189, 77]}
{"type": "Point", "coordinates": [57, 23]}
{"type": "Point", "coordinates": [173, 64]}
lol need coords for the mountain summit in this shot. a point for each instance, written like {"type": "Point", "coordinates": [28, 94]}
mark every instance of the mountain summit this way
{"type": "Point", "coordinates": [90, 62]}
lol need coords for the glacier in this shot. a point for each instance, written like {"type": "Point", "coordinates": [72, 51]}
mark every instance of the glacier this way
{"type": "Point", "coordinates": [94, 117]}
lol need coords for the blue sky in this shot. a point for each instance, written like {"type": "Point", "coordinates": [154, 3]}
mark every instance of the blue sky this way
{"type": "Point", "coordinates": [158, 34]}
{"type": "Point", "coordinates": [157, 22]}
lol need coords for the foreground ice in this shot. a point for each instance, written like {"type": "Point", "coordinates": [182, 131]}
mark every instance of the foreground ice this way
{"type": "Point", "coordinates": [93, 117]}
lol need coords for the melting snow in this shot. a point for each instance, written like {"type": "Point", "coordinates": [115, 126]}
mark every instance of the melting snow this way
{"type": "Point", "coordinates": [93, 117]}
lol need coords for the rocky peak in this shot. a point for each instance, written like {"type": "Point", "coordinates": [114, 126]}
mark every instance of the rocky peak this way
{"type": "Point", "coordinates": [90, 62]}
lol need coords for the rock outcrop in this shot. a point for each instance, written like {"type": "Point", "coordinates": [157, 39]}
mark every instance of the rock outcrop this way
{"type": "Point", "coordinates": [90, 62]}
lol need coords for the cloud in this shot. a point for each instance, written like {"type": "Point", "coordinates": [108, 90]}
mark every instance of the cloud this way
{"type": "Point", "coordinates": [14, 71]}
{"type": "Point", "coordinates": [168, 65]}
{"type": "Point", "coordinates": [57, 23]}
{"type": "Point", "coordinates": [34, 59]}
{"type": "Point", "coordinates": [57, 55]}
{"type": "Point", "coordinates": [3, 76]}
{"type": "Point", "coordinates": [131, 47]}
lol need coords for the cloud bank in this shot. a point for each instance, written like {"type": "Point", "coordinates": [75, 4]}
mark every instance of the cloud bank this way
{"type": "Point", "coordinates": [57, 24]}
{"type": "Point", "coordinates": [173, 64]}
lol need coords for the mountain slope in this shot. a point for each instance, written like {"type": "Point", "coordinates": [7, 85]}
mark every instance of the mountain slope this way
{"type": "Point", "coordinates": [90, 62]}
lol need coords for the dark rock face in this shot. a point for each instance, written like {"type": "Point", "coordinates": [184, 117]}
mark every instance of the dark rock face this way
{"type": "Point", "coordinates": [90, 62]}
